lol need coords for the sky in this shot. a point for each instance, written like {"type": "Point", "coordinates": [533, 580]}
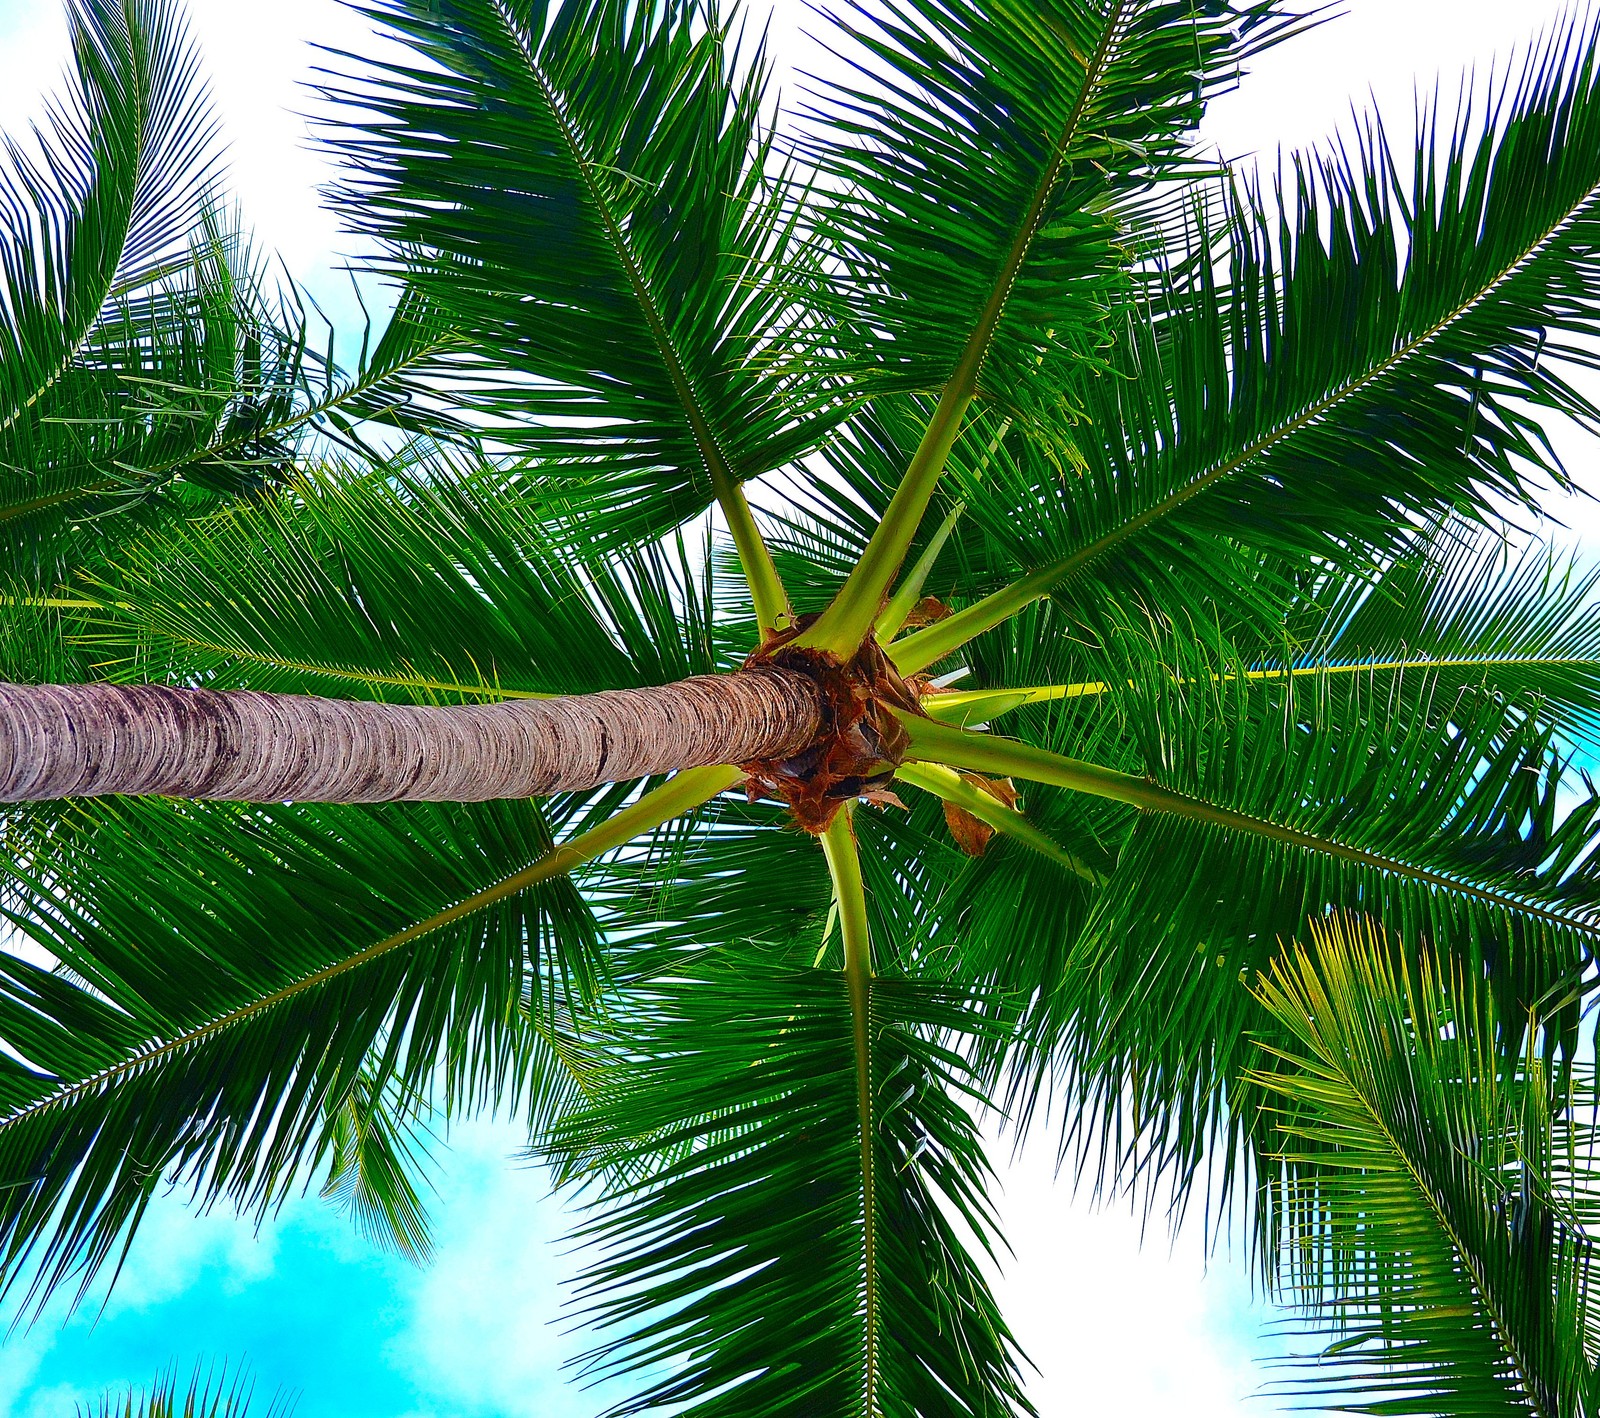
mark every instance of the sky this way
{"type": "Point", "coordinates": [1117, 1319]}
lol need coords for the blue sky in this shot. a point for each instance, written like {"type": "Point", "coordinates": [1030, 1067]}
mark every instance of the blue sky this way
{"type": "Point", "coordinates": [1115, 1326]}
{"type": "Point", "coordinates": [479, 1333]}
{"type": "Point", "coordinates": [314, 1308]}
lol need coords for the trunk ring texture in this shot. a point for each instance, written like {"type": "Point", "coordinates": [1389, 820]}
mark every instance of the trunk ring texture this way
{"type": "Point", "coordinates": [60, 741]}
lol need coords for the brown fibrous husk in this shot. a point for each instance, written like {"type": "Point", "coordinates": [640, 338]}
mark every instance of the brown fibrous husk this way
{"type": "Point", "coordinates": [861, 744]}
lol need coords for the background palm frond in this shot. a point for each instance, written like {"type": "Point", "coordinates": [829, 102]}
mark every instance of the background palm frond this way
{"type": "Point", "coordinates": [1421, 1223]}
{"type": "Point", "coordinates": [208, 1395]}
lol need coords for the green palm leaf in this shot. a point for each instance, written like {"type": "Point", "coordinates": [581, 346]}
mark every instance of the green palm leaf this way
{"type": "Point", "coordinates": [1469, 610]}
{"type": "Point", "coordinates": [982, 150]}
{"type": "Point", "coordinates": [235, 980]}
{"type": "Point", "coordinates": [208, 1395]}
{"type": "Point", "coordinates": [756, 1271]}
{"type": "Point", "coordinates": [377, 1153]}
{"type": "Point", "coordinates": [139, 341]}
{"type": "Point", "coordinates": [98, 212]}
{"type": "Point", "coordinates": [1252, 805]}
{"type": "Point", "coordinates": [583, 186]}
{"type": "Point", "coordinates": [1413, 1186]}
{"type": "Point", "coordinates": [427, 579]}
{"type": "Point", "coordinates": [104, 201]}
{"type": "Point", "coordinates": [1242, 412]}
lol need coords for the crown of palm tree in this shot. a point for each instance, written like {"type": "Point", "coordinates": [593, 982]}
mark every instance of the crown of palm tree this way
{"type": "Point", "coordinates": [1130, 562]}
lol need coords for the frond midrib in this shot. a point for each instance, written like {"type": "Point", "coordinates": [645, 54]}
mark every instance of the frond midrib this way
{"type": "Point", "coordinates": [1091, 689]}
{"type": "Point", "coordinates": [680, 794]}
{"type": "Point", "coordinates": [917, 651]}
{"type": "Point", "coordinates": [844, 868]}
{"type": "Point", "coordinates": [1469, 1262]}
{"type": "Point", "coordinates": [765, 585]}
{"type": "Point", "coordinates": [969, 370]}
{"type": "Point", "coordinates": [349, 673]}
{"type": "Point", "coordinates": [959, 748]}
{"type": "Point", "coordinates": [1321, 407]}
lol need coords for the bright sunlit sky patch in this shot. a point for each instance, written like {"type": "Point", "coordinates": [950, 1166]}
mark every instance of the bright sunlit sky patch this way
{"type": "Point", "coordinates": [311, 1306]}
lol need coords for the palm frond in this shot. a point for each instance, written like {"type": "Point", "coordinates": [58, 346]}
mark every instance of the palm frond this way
{"type": "Point", "coordinates": [1253, 805]}
{"type": "Point", "coordinates": [441, 579]}
{"type": "Point", "coordinates": [208, 1395]}
{"type": "Point", "coordinates": [106, 196]}
{"type": "Point", "coordinates": [96, 213]}
{"type": "Point", "coordinates": [979, 151]}
{"type": "Point", "coordinates": [709, 877]}
{"type": "Point", "coordinates": [1421, 1226]}
{"type": "Point", "coordinates": [140, 343]}
{"type": "Point", "coordinates": [1464, 295]}
{"type": "Point", "coordinates": [377, 1145]}
{"type": "Point", "coordinates": [746, 1275]}
{"type": "Point", "coordinates": [1455, 607]}
{"type": "Point", "coordinates": [1470, 610]}
{"type": "Point", "coordinates": [229, 979]}
{"type": "Point", "coordinates": [584, 186]}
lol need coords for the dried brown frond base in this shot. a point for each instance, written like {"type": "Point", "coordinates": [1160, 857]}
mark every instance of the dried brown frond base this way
{"type": "Point", "coordinates": [973, 834]}
{"type": "Point", "coordinates": [861, 743]}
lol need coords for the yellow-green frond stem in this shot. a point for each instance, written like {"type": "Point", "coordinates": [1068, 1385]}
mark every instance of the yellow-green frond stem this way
{"type": "Point", "coordinates": [932, 643]}
{"type": "Point", "coordinates": [966, 708]}
{"type": "Point", "coordinates": [842, 627]}
{"type": "Point", "coordinates": [949, 786]}
{"type": "Point", "coordinates": [770, 600]}
{"type": "Point", "coordinates": [905, 598]}
{"type": "Point", "coordinates": [850, 897]}
{"type": "Point", "coordinates": [921, 649]}
{"type": "Point", "coordinates": [1007, 758]}
{"type": "Point", "coordinates": [51, 603]}
{"type": "Point", "coordinates": [909, 592]}
{"type": "Point", "coordinates": [680, 794]}
{"type": "Point", "coordinates": [851, 614]}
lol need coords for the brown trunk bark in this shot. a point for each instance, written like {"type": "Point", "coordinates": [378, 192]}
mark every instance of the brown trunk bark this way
{"type": "Point", "coordinates": [61, 741]}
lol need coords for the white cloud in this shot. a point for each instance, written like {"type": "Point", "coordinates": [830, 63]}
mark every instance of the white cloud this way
{"type": "Point", "coordinates": [23, 1353]}
{"type": "Point", "coordinates": [180, 1249]}
{"type": "Point", "coordinates": [1116, 1316]}
{"type": "Point", "coordinates": [32, 56]}
{"type": "Point", "coordinates": [482, 1333]}
{"type": "Point", "coordinates": [262, 71]}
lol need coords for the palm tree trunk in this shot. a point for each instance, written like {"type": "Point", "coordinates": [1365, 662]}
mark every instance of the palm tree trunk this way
{"type": "Point", "coordinates": [59, 741]}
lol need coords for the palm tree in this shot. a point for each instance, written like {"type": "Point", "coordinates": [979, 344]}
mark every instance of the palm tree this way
{"type": "Point", "coordinates": [1202, 485]}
